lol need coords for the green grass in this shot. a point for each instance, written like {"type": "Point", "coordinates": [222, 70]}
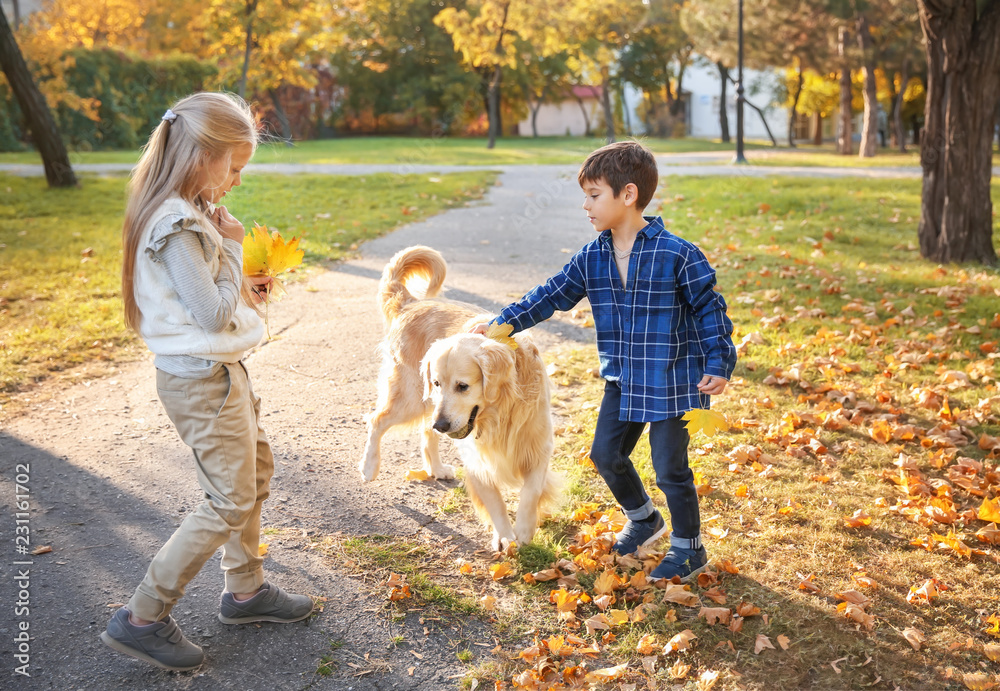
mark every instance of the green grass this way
{"type": "Point", "coordinates": [379, 555]}
{"type": "Point", "coordinates": [807, 156]}
{"type": "Point", "coordinates": [418, 151]}
{"type": "Point", "coordinates": [60, 252]}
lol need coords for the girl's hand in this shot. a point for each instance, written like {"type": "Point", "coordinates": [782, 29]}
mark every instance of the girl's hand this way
{"type": "Point", "coordinates": [713, 386]}
{"type": "Point", "coordinates": [261, 287]}
{"type": "Point", "coordinates": [227, 224]}
{"type": "Point", "coordinates": [480, 328]}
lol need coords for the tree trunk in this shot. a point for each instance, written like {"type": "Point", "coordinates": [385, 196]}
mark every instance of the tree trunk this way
{"type": "Point", "coordinates": [818, 132]}
{"type": "Point", "coordinates": [58, 171]}
{"type": "Point", "coordinates": [869, 131]}
{"type": "Point", "coordinates": [534, 118]}
{"type": "Point", "coordinates": [609, 115]}
{"type": "Point", "coordinates": [723, 106]}
{"type": "Point", "coordinates": [586, 115]}
{"type": "Point", "coordinates": [963, 86]}
{"type": "Point", "coordinates": [845, 140]}
{"type": "Point", "coordinates": [279, 112]}
{"type": "Point", "coordinates": [493, 106]}
{"type": "Point", "coordinates": [897, 106]}
{"type": "Point", "coordinates": [241, 87]}
{"type": "Point", "coordinates": [794, 107]}
{"type": "Point", "coordinates": [16, 4]}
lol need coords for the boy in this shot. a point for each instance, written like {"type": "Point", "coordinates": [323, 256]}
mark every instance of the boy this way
{"type": "Point", "coordinates": [664, 341]}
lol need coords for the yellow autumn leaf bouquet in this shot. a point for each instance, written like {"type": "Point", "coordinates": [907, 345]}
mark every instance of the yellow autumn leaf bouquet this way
{"type": "Point", "coordinates": [266, 254]}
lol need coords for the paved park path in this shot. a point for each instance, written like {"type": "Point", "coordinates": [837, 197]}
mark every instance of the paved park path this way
{"type": "Point", "coordinates": [109, 479]}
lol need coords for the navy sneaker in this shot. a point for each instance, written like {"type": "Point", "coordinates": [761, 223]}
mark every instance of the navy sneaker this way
{"type": "Point", "coordinates": [160, 643]}
{"type": "Point", "coordinates": [271, 603]}
{"type": "Point", "coordinates": [686, 563]}
{"type": "Point", "coordinates": [638, 534]}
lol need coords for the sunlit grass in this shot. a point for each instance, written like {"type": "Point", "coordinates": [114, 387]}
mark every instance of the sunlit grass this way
{"type": "Point", "coordinates": [404, 151]}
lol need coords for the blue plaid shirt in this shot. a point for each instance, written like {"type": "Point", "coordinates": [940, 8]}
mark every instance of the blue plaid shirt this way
{"type": "Point", "coordinates": [658, 336]}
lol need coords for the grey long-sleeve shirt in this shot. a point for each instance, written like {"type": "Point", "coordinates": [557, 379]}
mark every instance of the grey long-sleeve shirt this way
{"type": "Point", "coordinates": [211, 302]}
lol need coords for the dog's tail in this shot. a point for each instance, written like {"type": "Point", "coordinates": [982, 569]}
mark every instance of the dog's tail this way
{"type": "Point", "coordinates": [412, 262]}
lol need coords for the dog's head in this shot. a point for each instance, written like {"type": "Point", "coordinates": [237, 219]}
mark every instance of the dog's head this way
{"type": "Point", "coordinates": [464, 375]}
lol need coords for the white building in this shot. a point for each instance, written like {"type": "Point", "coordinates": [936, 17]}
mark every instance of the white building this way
{"type": "Point", "coordinates": [701, 94]}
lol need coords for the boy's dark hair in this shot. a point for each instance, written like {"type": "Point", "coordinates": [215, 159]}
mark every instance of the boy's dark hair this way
{"type": "Point", "coordinates": [619, 164]}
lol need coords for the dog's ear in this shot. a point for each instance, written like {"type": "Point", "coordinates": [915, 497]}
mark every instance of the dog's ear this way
{"type": "Point", "coordinates": [496, 361]}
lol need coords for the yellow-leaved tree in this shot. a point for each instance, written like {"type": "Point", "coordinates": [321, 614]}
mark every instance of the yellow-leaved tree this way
{"type": "Point", "coordinates": [485, 31]}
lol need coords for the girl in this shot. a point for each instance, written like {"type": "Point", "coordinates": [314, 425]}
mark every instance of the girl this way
{"type": "Point", "coordinates": [185, 294]}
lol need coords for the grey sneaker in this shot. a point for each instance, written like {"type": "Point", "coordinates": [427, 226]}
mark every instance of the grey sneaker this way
{"type": "Point", "coordinates": [686, 563]}
{"type": "Point", "coordinates": [160, 643]}
{"type": "Point", "coordinates": [271, 603]}
{"type": "Point", "coordinates": [638, 534]}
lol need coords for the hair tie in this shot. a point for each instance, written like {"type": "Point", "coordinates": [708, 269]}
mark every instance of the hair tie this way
{"type": "Point", "coordinates": [169, 116]}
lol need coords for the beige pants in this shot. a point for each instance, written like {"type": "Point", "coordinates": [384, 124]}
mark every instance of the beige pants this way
{"type": "Point", "coordinates": [219, 419]}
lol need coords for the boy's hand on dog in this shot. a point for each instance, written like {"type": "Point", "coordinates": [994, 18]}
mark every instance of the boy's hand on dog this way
{"type": "Point", "coordinates": [713, 386]}
{"type": "Point", "coordinates": [227, 224]}
{"type": "Point", "coordinates": [480, 328]}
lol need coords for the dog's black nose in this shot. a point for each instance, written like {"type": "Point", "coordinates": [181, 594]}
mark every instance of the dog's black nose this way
{"type": "Point", "coordinates": [441, 426]}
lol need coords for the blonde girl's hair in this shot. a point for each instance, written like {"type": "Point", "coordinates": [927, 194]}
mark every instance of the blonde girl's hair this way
{"type": "Point", "coordinates": [207, 126]}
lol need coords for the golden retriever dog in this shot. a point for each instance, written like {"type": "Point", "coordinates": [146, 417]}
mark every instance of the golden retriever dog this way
{"type": "Point", "coordinates": [491, 398]}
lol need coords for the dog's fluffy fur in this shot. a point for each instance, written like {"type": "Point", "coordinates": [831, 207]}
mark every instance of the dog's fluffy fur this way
{"type": "Point", "coordinates": [492, 399]}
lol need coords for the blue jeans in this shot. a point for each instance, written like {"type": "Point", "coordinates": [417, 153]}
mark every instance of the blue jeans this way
{"type": "Point", "coordinates": [614, 441]}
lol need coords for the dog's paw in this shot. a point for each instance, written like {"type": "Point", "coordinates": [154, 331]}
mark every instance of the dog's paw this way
{"type": "Point", "coordinates": [501, 544]}
{"type": "Point", "coordinates": [523, 535]}
{"type": "Point", "coordinates": [368, 470]}
{"type": "Point", "coordinates": [444, 472]}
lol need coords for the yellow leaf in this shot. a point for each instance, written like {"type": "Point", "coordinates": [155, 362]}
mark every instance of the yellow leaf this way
{"type": "Point", "coordinates": [557, 646]}
{"type": "Point", "coordinates": [707, 680]}
{"type": "Point", "coordinates": [598, 622]}
{"type": "Point", "coordinates": [618, 617]}
{"type": "Point", "coordinates": [858, 520]}
{"type": "Point", "coordinates": [978, 681]}
{"type": "Point", "coordinates": [681, 641]}
{"type": "Point", "coordinates": [606, 583]}
{"type": "Point", "coordinates": [256, 245]}
{"type": "Point", "coordinates": [783, 641]}
{"type": "Point", "coordinates": [266, 253]}
{"type": "Point", "coordinates": [565, 601]}
{"type": "Point", "coordinates": [706, 421]}
{"type": "Point", "coordinates": [989, 511]}
{"type": "Point", "coordinates": [715, 615]}
{"type": "Point", "coordinates": [992, 651]}
{"type": "Point", "coordinates": [262, 549]}
{"type": "Point", "coordinates": [488, 602]}
{"type": "Point", "coordinates": [608, 673]}
{"type": "Point", "coordinates": [681, 595]}
{"type": "Point", "coordinates": [465, 569]}
{"type": "Point", "coordinates": [417, 475]}
{"type": "Point", "coordinates": [499, 571]}
{"type": "Point", "coordinates": [501, 334]}
{"type": "Point", "coordinates": [679, 671]}
{"type": "Point", "coordinates": [647, 645]}
{"type": "Point", "coordinates": [990, 534]}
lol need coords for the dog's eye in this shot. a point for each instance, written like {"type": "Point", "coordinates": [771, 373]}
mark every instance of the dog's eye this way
{"type": "Point", "coordinates": [462, 388]}
{"type": "Point", "coordinates": [436, 383]}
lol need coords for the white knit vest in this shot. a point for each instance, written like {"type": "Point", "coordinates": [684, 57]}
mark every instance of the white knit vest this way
{"type": "Point", "coordinates": [168, 327]}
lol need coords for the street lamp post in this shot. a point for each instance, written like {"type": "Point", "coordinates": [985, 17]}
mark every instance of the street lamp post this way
{"type": "Point", "coordinates": [740, 158]}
